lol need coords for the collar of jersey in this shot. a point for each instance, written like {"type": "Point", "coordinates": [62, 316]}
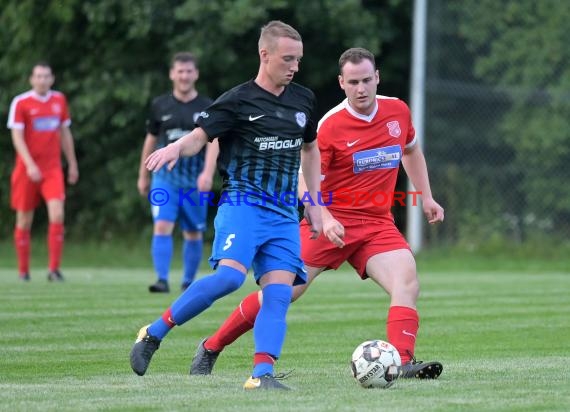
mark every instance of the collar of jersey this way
{"type": "Point", "coordinates": [361, 116]}
{"type": "Point", "coordinates": [40, 97]}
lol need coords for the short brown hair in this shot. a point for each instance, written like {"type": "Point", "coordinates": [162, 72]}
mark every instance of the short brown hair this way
{"type": "Point", "coordinates": [274, 30]}
{"type": "Point", "coordinates": [41, 63]}
{"type": "Point", "coordinates": [355, 55]}
{"type": "Point", "coordinates": [184, 57]}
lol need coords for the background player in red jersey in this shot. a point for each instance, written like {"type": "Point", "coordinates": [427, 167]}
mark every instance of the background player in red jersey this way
{"type": "Point", "coordinates": [362, 141]}
{"type": "Point", "coordinates": [39, 120]}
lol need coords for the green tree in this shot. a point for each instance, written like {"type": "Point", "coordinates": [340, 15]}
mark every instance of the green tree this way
{"type": "Point", "coordinates": [497, 117]}
{"type": "Point", "coordinates": [111, 57]}
{"type": "Point", "coordinates": [522, 49]}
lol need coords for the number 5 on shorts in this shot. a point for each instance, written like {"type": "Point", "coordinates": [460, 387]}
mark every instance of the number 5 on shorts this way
{"type": "Point", "coordinates": [228, 243]}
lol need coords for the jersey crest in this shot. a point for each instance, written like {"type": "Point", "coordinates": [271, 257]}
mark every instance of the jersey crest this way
{"type": "Point", "coordinates": [56, 107]}
{"type": "Point", "coordinates": [301, 119]}
{"type": "Point", "coordinates": [394, 128]}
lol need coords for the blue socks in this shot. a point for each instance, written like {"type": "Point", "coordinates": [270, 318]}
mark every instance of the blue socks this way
{"type": "Point", "coordinates": [270, 325]}
{"type": "Point", "coordinates": [161, 250]}
{"type": "Point", "coordinates": [159, 328]}
{"type": "Point", "coordinates": [198, 297]}
{"type": "Point", "coordinates": [191, 256]}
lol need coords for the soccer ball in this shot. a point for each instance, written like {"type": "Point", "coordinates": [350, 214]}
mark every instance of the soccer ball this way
{"type": "Point", "coordinates": [375, 364]}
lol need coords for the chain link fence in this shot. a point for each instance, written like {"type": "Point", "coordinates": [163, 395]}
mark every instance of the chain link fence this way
{"type": "Point", "coordinates": [497, 121]}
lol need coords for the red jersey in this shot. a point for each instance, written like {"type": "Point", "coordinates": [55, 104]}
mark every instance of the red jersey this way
{"type": "Point", "coordinates": [41, 118]}
{"type": "Point", "coordinates": [360, 156]}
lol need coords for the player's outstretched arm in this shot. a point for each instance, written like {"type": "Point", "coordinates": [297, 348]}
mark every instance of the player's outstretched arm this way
{"type": "Point", "coordinates": [188, 145]}
{"type": "Point", "coordinates": [416, 168]}
{"type": "Point", "coordinates": [311, 166]}
{"type": "Point", "coordinates": [206, 177]}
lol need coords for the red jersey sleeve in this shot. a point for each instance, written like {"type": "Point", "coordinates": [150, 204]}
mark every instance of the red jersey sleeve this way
{"type": "Point", "coordinates": [324, 134]}
{"type": "Point", "coordinates": [411, 137]}
{"type": "Point", "coordinates": [65, 117]}
{"type": "Point", "coordinates": [16, 119]}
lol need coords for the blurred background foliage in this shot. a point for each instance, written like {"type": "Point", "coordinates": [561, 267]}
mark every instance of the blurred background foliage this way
{"type": "Point", "coordinates": [111, 57]}
{"type": "Point", "coordinates": [497, 136]}
{"type": "Point", "coordinates": [498, 121]}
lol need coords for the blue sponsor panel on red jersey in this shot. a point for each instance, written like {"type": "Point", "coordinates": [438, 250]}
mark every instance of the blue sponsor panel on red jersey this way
{"type": "Point", "coordinates": [46, 123]}
{"type": "Point", "coordinates": [373, 159]}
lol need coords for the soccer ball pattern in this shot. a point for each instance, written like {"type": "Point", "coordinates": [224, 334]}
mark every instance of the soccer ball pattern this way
{"type": "Point", "coordinates": [375, 364]}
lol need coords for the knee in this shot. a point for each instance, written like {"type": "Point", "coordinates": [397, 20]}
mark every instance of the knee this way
{"type": "Point", "coordinates": [163, 228]}
{"type": "Point", "coordinates": [24, 220]}
{"type": "Point", "coordinates": [192, 235]}
{"type": "Point", "coordinates": [57, 217]}
{"type": "Point", "coordinates": [278, 297]}
{"type": "Point", "coordinates": [235, 282]}
{"type": "Point", "coordinates": [410, 283]}
{"type": "Point", "coordinates": [231, 280]}
{"type": "Point", "coordinates": [55, 209]}
{"type": "Point", "coordinates": [298, 292]}
{"type": "Point", "coordinates": [407, 287]}
{"type": "Point", "coordinates": [412, 287]}
{"type": "Point", "coordinates": [24, 224]}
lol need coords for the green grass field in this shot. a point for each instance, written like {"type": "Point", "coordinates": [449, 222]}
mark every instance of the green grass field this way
{"type": "Point", "coordinates": [502, 336]}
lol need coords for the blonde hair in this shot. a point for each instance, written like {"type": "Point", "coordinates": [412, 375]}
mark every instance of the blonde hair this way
{"type": "Point", "coordinates": [273, 31]}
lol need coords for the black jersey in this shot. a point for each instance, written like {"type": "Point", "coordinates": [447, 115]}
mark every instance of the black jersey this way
{"type": "Point", "coordinates": [260, 137]}
{"type": "Point", "coordinates": [169, 120]}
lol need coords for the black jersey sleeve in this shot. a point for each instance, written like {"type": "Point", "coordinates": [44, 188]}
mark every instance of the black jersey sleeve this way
{"type": "Point", "coordinates": [220, 117]}
{"type": "Point", "coordinates": [311, 130]}
{"type": "Point", "coordinates": [153, 120]}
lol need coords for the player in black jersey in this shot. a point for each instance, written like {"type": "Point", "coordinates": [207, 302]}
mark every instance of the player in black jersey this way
{"type": "Point", "coordinates": [266, 128]}
{"type": "Point", "coordinates": [172, 116]}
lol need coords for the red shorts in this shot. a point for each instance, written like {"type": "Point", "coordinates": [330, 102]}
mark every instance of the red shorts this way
{"type": "Point", "coordinates": [363, 239]}
{"type": "Point", "coordinates": [27, 195]}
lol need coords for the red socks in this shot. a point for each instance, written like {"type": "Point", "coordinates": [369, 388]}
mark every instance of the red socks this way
{"type": "Point", "coordinates": [263, 358]}
{"type": "Point", "coordinates": [240, 321]}
{"type": "Point", "coordinates": [55, 245]}
{"type": "Point", "coordinates": [401, 327]}
{"type": "Point", "coordinates": [22, 245]}
{"type": "Point", "coordinates": [167, 318]}
{"type": "Point", "coordinates": [401, 330]}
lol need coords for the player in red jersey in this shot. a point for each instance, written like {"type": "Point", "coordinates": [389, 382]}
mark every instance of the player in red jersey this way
{"type": "Point", "coordinates": [362, 142]}
{"type": "Point", "coordinates": [39, 120]}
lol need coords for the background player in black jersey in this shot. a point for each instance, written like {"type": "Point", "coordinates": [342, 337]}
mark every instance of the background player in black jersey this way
{"type": "Point", "coordinates": [262, 126]}
{"type": "Point", "coordinates": [172, 116]}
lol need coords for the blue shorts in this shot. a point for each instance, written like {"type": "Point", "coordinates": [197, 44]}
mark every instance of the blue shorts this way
{"type": "Point", "coordinates": [258, 238]}
{"type": "Point", "coordinates": [171, 203]}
